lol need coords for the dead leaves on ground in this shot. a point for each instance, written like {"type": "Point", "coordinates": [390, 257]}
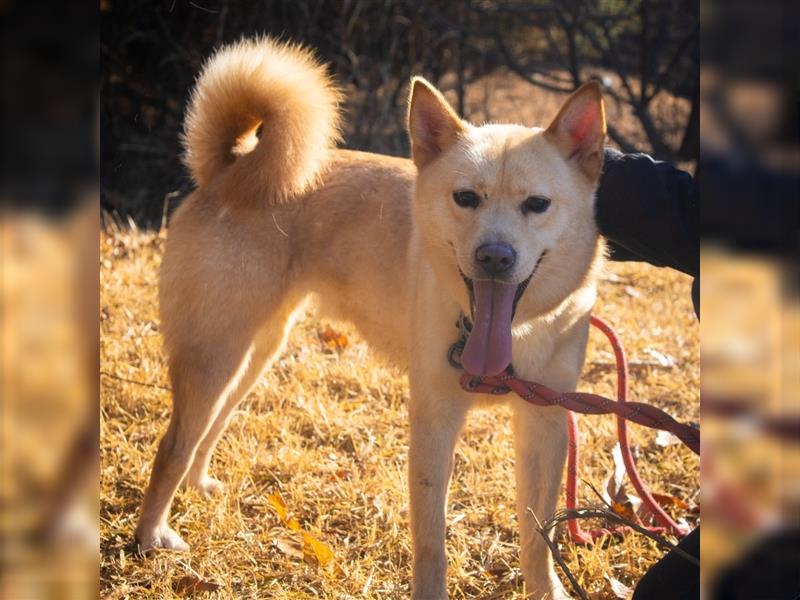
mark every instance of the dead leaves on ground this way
{"type": "Point", "coordinates": [332, 339]}
{"type": "Point", "coordinates": [189, 585]}
{"type": "Point", "coordinates": [628, 505]}
{"type": "Point", "coordinates": [302, 545]}
{"type": "Point", "coordinates": [619, 589]}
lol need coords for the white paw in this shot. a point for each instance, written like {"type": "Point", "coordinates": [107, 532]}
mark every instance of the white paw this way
{"type": "Point", "coordinates": [558, 593]}
{"type": "Point", "coordinates": [555, 591]}
{"type": "Point", "coordinates": [163, 537]}
{"type": "Point", "coordinates": [206, 485]}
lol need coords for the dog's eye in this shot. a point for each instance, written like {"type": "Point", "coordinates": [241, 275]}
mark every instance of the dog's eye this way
{"type": "Point", "coordinates": [535, 204]}
{"type": "Point", "coordinates": [467, 198]}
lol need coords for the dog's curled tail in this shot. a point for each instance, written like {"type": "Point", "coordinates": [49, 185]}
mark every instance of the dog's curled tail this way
{"type": "Point", "coordinates": [278, 87]}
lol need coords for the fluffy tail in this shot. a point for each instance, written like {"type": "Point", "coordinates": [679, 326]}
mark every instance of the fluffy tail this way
{"type": "Point", "coordinates": [277, 86]}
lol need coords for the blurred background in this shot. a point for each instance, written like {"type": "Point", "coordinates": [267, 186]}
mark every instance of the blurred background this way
{"type": "Point", "coordinates": [49, 228]}
{"type": "Point", "coordinates": [494, 60]}
{"type": "Point", "coordinates": [750, 327]}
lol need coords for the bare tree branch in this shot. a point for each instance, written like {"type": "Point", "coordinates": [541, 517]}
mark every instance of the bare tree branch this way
{"type": "Point", "coordinates": [610, 52]}
{"type": "Point", "coordinates": [512, 64]}
{"type": "Point", "coordinates": [624, 143]}
{"type": "Point", "coordinates": [662, 77]}
{"type": "Point", "coordinates": [545, 533]}
{"type": "Point", "coordinates": [610, 515]}
{"type": "Point", "coordinates": [644, 47]}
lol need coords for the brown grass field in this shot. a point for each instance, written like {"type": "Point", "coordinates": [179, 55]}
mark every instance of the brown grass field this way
{"type": "Point", "coordinates": [326, 429]}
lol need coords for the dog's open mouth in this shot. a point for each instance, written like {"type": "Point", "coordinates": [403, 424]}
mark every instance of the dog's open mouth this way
{"type": "Point", "coordinates": [492, 305]}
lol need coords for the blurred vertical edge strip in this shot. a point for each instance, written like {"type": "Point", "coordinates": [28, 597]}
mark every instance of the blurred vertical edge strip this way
{"type": "Point", "coordinates": [50, 78]}
{"type": "Point", "coordinates": [49, 236]}
{"type": "Point", "coordinates": [749, 176]}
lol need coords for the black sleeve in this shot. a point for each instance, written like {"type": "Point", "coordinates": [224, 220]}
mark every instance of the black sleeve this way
{"type": "Point", "coordinates": [648, 211]}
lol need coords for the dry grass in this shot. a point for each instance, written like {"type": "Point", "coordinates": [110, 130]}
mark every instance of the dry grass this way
{"type": "Point", "coordinates": [327, 429]}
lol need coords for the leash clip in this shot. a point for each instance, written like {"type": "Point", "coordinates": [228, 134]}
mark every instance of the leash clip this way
{"type": "Point", "coordinates": [454, 353]}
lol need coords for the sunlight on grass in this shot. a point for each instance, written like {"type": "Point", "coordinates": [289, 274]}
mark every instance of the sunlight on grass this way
{"type": "Point", "coordinates": [325, 431]}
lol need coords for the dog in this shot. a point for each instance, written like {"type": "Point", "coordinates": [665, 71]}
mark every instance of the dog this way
{"type": "Point", "coordinates": [493, 222]}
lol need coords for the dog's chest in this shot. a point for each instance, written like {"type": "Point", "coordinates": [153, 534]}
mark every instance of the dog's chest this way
{"type": "Point", "coordinates": [533, 349]}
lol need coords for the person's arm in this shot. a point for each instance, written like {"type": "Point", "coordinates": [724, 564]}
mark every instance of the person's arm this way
{"type": "Point", "coordinates": [648, 210]}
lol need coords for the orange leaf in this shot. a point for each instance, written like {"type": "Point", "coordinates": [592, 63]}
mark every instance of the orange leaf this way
{"type": "Point", "coordinates": [668, 500]}
{"type": "Point", "coordinates": [333, 339]}
{"type": "Point", "coordinates": [277, 502]}
{"type": "Point", "coordinates": [320, 551]}
{"type": "Point", "coordinates": [312, 550]}
{"type": "Point", "coordinates": [624, 510]}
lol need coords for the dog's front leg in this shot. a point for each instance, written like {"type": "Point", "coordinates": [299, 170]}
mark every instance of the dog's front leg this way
{"type": "Point", "coordinates": [540, 448]}
{"type": "Point", "coordinates": [435, 425]}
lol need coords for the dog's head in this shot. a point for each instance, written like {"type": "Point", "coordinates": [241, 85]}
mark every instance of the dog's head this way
{"type": "Point", "coordinates": [506, 212]}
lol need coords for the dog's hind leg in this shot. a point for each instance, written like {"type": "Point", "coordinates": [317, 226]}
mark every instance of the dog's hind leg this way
{"type": "Point", "coordinates": [203, 376]}
{"type": "Point", "coordinates": [268, 345]}
{"type": "Point", "coordinates": [198, 477]}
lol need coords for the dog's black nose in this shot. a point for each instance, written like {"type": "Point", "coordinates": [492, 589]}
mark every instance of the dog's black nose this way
{"type": "Point", "coordinates": [495, 257]}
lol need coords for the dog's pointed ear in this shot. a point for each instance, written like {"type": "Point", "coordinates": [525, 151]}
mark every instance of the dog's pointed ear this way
{"type": "Point", "coordinates": [433, 125]}
{"type": "Point", "coordinates": [579, 129]}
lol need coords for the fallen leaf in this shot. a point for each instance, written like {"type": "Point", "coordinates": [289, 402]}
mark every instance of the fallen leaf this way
{"type": "Point", "coordinates": [277, 502]}
{"type": "Point", "coordinates": [619, 589]}
{"type": "Point", "coordinates": [669, 500]}
{"type": "Point", "coordinates": [339, 475]}
{"type": "Point", "coordinates": [189, 585]}
{"type": "Point", "coordinates": [311, 550]}
{"type": "Point", "coordinates": [624, 510]}
{"type": "Point", "coordinates": [615, 482]}
{"type": "Point", "coordinates": [333, 339]}
{"type": "Point", "coordinates": [290, 547]}
{"type": "Point", "coordinates": [457, 518]}
{"type": "Point", "coordinates": [663, 359]}
{"type": "Point", "coordinates": [632, 292]}
{"type": "Point", "coordinates": [312, 547]}
{"type": "Point", "coordinates": [622, 502]}
{"type": "Point", "coordinates": [665, 438]}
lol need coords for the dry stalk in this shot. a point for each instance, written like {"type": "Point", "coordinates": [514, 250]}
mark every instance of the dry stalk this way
{"type": "Point", "coordinates": [544, 531]}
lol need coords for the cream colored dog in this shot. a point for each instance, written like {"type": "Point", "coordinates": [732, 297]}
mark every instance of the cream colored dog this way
{"type": "Point", "coordinates": [495, 222]}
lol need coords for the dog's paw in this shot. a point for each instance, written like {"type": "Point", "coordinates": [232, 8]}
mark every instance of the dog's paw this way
{"type": "Point", "coordinates": [558, 593]}
{"type": "Point", "coordinates": [208, 486]}
{"type": "Point", "coordinates": [554, 591]}
{"type": "Point", "coordinates": [161, 537]}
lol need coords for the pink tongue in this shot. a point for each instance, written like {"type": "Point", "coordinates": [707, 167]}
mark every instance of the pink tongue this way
{"type": "Point", "coordinates": [488, 349]}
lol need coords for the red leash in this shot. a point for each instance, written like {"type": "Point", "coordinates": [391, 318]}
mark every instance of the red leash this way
{"type": "Point", "coordinates": [580, 402]}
